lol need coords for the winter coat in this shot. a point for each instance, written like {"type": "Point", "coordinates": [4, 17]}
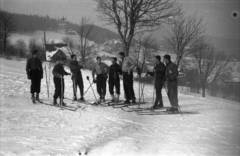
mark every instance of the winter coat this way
{"type": "Point", "coordinates": [160, 70]}
{"type": "Point", "coordinates": [58, 71]}
{"type": "Point", "coordinates": [114, 72]}
{"type": "Point", "coordinates": [171, 71]}
{"type": "Point", "coordinates": [75, 68]}
{"type": "Point", "coordinates": [32, 64]}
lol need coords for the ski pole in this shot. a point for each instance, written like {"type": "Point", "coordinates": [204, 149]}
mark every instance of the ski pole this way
{"type": "Point", "coordinates": [74, 87]}
{"type": "Point", "coordinates": [61, 100]}
{"type": "Point", "coordinates": [92, 89]}
{"type": "Point", "coordinates": [154, 87]}
{"type": "Point", "coordinates": [47, 81]}
{"type": "Point", "coordinates": [139, 94]}
{"type": "Point", "coordinates": [88, 87]}
{"type": "Point", "coordinates": [142, 89]}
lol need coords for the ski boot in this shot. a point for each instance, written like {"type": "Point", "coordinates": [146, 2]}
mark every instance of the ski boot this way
{"type": "Point", "coordinates": [117, 99]}
{"type": "Point", "coordinates": [75, 99]}
{"type": "Point", "coordinates": [133, 101]}
{"type": "Point", "coordinates": [112, 100]}
{"type": "Point", "coordinates": [127, 101]}
{"type": "Point", "coordinates": [63, 104]}
{"type": "Point", "coordinates": [82, 99]}
{"type": "Point", "coordinates": [55, 102]}
{"type": "Point", "coordinates": [33, 100]}
{"type": "Point", "coordinates": [173, 110]}
{"type": "Point", "coordinates": [154, 107]}
{"type": "Point", "coordinates": [37, 98]}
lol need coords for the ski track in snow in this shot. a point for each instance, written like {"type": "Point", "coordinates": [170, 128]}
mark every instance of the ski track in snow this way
{"type": "Point", "coordinates": [35, 129]}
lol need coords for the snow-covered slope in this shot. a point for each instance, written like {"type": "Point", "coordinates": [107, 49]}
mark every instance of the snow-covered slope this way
{"type": "Point", "coordinates": [207, 127]}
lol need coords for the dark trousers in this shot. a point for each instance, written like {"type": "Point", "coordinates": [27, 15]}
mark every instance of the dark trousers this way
{"type": "Point", "coordinates": [35, 81]}
{"type": "Point", "coordinates": [112, 84]}
{"type": "Point", "coordinates": [101, 85]}
{"type": "Point", "coordinates": [77, 83]}
{"type": "Point", "coordinates": [158, 87]}
{"type": "Point", "coordinates": [128, 86]}
{"type": "Point", "coordinates": [172, 87]}
{"type": "Point", "coordinates": [58, 88]}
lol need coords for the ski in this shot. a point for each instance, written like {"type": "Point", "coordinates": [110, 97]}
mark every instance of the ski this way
{"type": "Point", "coordinates": [151, 109]}
{"type": "Point", "coordinates": [68, 108]}
{"type": "Point", "coordinates": [112, 103]}
{"type": "Point", "coordinates": [105, 103]}
{"type": "Point", "coordinates": [122, 104]}
{"type": "Point", "coordinates": [62, 107]}
{"type": "Point", "coordinates": [127, 108]}
{"type": "Point", "coordinates": [165, 112]}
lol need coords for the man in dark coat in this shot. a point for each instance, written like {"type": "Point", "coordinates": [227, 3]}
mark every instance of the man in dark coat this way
{"type": "Point", "coordinates": [76, 77]}
{"type": "Point", "coordinates": [35, 74]}
{"type": "Point", "coordinates": [114, 80]}
{"type": "Point", "coordinates": [58, 73]}
{"type": "Point", "coordinates": [159, 76]}
{"type": "Point", "coordinates": [101, 70]}
{"type": "Point", "coordinates": [172, 82]}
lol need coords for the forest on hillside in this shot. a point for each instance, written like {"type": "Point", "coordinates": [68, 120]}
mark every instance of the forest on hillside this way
{"type": "Point", "coordinates": [31, 23]}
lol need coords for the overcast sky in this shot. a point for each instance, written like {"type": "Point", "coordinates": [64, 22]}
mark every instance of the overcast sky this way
{"type": "Point", "coordinates": [218, 14]}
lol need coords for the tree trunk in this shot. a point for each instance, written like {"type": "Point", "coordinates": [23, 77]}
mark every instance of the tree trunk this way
{"type": "Point", "coordinates": [5, 45]}
{"type": "Point", "coordinates": [126, 47]}
{"type": "Point", "coordinates": [83, 60]}
{"type": "Point", "coordinates": [203, 91]}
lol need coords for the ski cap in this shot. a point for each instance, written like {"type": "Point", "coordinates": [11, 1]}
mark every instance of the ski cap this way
{"type": "Point", "coordinates": [34, 52]}
{"type": "Point", "coordinates": [168, 57]}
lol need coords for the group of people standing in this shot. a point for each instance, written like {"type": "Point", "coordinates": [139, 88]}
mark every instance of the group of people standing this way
{"type": "Point", "coordinates": [165, 75]}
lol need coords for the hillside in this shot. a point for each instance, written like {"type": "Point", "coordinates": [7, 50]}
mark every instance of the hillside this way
{"type": "Point", "coordinates": [28, 24]}
{"type": "Point", "coordinates": [208, 126]}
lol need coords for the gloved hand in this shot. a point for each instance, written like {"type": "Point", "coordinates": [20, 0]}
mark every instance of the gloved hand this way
{"type": "Point", "coordinates": [94, 81]}
{"type": "Point", "coordinates": [68, 73]}
{"type": "Point", "coordinates": [106, 76]}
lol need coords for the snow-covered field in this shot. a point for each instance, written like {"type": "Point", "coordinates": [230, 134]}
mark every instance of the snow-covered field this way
{"type": "Point", "coordinates": [208, 127]}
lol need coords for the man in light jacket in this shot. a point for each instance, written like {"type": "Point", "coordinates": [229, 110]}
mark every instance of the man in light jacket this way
{"type": "Point", "coordinates": [127, 70]}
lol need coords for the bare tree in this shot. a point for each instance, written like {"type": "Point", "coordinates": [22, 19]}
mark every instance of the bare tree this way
{"type": "Point", "coordinates": [185, 32]}
{"type": "Point", "coordinates": [134, 16]}
{"type": "Point", "coordinates": [71, 44]}
{"type": "Point", "coordinates": [85, 31]}
{"type": "Point", "coordinates": [21, 47]}
{"type": "Point", "coordinates": [211, 65]}
{"type": "Point", "coordinates": [146, 46]}
{"type": "Point", "coordinates": [33, 45]}
{"type": "Point", "coordinates": [8, 25]}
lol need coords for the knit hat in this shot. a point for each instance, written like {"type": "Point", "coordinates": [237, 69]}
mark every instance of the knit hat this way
{"type": "Point", "coordinates": [34, 52]}
{"type": "Point", "coordinates": [114, 58]}
{"type": "Point", "coordinates": [158, 57]}
{"type": "Point", "coordinates": [168, 57]}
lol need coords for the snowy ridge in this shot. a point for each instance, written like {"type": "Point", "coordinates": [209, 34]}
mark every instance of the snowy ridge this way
{"type": "Point", "coordinates": [39, 130]}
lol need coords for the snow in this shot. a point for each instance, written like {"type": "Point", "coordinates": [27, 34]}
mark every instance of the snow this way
{"type": "Point", "coordinates": [38, 35]}
{"type": "Point", "coordinates": [208, 126]}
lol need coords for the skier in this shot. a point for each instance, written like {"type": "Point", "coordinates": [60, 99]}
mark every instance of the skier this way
{"type": "Point", "coordinates": [76, 77]}
{"type": "Point", "coordinates": [114, 80]}
{"type": "Point", "coordinates": [127, 68]}
{"type": "Point", "coordinates": [159, 75]}
{"type": "Point", "coordinates": [172, 82]}
{"type": "Point", "coordinates": [35, 74]}
{"type": "Point", "coordinates": [58, 73]}
{"type": "Point", "coordinates": [101, 70]}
